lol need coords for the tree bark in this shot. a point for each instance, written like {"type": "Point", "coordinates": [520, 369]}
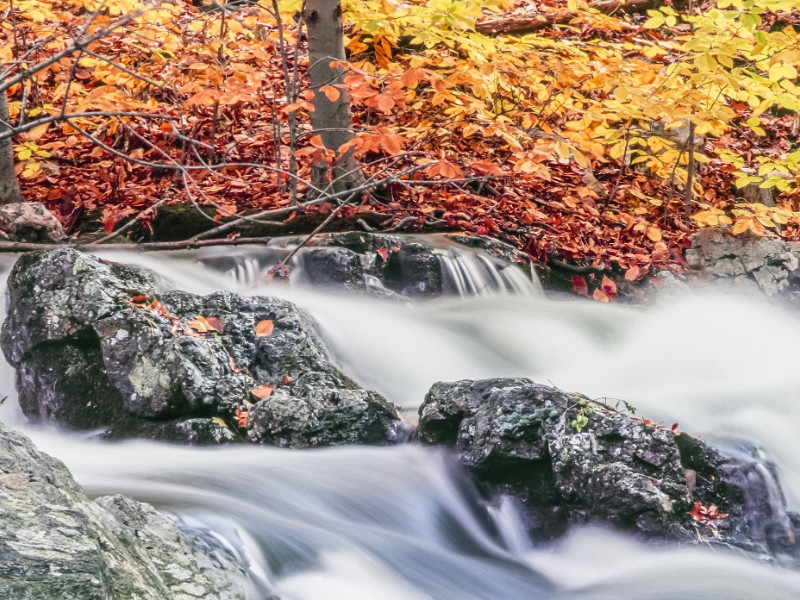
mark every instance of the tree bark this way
{"type": "Point", "coordinates": [9, 186]}
{"type": "Point", "coordinates": [528, 23]}
{"type": "Point", "coordinates": [330, 119]}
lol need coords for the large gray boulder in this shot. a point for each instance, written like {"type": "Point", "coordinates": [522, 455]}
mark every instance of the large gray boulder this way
{"type": "Point", "coordinates": [98, 345]}
{"type": "Point", "coordinates": [56, 543]}
{"type": "Point", "coordinates": [746, 261]}
{"type": "Point", "coordinates": [572, 460]}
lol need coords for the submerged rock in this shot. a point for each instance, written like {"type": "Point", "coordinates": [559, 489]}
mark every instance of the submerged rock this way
{"type": "Point", "coordinates": [98, 345]}
{"type": "Point", "coordinates": [56, 543]}
{"type": "Point", "coordinates": [572, 460]}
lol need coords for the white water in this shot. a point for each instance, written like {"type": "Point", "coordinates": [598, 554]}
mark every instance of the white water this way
{"type": "Point", "coordinates": [402, 523]}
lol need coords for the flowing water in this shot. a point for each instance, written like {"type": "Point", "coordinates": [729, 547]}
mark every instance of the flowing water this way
{"type": "Point", "coordinates": [405, 523]}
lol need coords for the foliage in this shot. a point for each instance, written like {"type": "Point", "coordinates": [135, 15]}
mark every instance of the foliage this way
{"type": "Point", "coordinates": [570, 142]}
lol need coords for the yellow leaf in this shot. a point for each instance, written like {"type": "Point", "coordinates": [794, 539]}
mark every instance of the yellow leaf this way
{"type": "Point", "coordinates": [741, 226]}
{"type": "Point", "coordinates": [654, 234]}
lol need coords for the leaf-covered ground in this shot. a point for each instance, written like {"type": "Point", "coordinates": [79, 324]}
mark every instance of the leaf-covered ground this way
{"type": "Point", "coordinates": [560, 141]}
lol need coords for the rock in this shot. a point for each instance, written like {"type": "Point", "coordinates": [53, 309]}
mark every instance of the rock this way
{"type": "Point", "coordinates": [29, 222]}
{"type": "Point", "coordinates": [333, 268]}
{"type": "Point", "coordinates": [97, 345]}
{"type": "Point", "coordinates": [740, 260]}
{"type": "Point", "coordinates": [322, 417]}
{"type": "Point", "coordinates": [571, 460]}
{"type": "Point", "coordinates": [55, 542]}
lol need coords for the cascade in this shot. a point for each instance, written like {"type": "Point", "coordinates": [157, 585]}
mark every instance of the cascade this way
{"type": "Point", "coordinates": [405, 522]}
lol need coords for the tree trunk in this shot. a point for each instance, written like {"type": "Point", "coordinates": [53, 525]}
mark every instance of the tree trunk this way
{"type": "Point", "coordinates": [9, 186]}
{"type": "Point", "coordinates": [330, 119]}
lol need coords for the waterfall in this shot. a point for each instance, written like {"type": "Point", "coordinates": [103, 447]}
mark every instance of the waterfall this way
{"type": "Point", "coordinates": [405, 522]}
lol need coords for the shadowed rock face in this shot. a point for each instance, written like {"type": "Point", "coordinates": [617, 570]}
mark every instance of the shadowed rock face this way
{"type": "Point", "coordinates": [56, 543]}
{"type": "Point", "coordinates": [572, 460]}
{"type": "Point", "coordinates": [97, 345]}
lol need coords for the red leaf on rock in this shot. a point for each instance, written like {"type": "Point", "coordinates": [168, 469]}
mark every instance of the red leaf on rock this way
{"type": "Point", "coordinates": [383, 253]}
{"type": "Point", "coordinates": [579, 285]}
{"type": "Point", "coordinates": [609, 287]}
{"type": "Point", "coordinates": [215, 324]}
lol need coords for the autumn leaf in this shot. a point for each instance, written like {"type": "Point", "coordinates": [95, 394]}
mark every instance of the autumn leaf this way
{"type": "Point", "coordinates": [633, 273]}
{"type": "Point", "coordinates": [215, 324]}
{"type": "Point", "coordinates": [331, 93]}
{"type": "Point", "coordinates": [262, 391]}
{"type": "Point", "coordinates": [706, 514]}
{"type": "Point", "coordinates": [241, 418]}
{"type": "Point", "coordinates": [579, 285]}
{"type": "Point", "coordinates": [599, 295]}
{"type": "Point", "coordinates": [202, 325]}
{"type": "Point", "coordinates": [383, 252]}
{"type": "Point", "coordinates": [264, 328]}
{"type": "Point", "coordinates": [609, 287]}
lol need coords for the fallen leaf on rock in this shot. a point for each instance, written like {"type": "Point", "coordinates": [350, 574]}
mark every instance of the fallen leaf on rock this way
{"type": "Point", "coordinates": [579, 285]}
{"type": "Point", "coordinates": [202, 325]}
{"type": "Point", "coordinates": [383, 253]}
{"type": "Point", "coordinates": [264, 328]}
{"type": "Point", "coordinates": [703, 513]}
{"type": "Point", "coordinates": [241, 418]}
{"type": "Point", "coordinates": [215, 324]}
{"type": "Point", "coordinates": [262, 391]}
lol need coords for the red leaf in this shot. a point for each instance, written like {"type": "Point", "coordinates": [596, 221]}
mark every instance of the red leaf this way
{"type": "Point", "coordinates": [579, 285]}
{"type": "Point", "coordinates": [215, 324]}
{"type": "Point", "coordinates": [608, 287]}
{"type": "Point", "coordinates": [383, 253]}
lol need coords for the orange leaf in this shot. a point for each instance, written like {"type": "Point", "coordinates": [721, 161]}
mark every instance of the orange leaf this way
{"type": "Point", "coordinates": [264, 328]}
{"type": "Point", "coordinates": [599, 295]}
{"type": "Point", "coordinates": [317, 142]}
{"type": "Point", "coordinates": [200, 325]}
{"type": "Point", "coordinates": [331, 93]}
{"type": "Point", "coordinates": [633, 273]}
{"type": "Point", "coordinates": [262, 391]}
{"type": "Point", "coordinates": [487, 166]}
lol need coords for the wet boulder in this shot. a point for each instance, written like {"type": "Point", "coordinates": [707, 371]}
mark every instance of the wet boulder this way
{"type": "Point", "coordinates": [571, 460]}
{"type": "Point", "coordinates": [99, 345]}
{"type": "Point", "coordinates": [56, 542]}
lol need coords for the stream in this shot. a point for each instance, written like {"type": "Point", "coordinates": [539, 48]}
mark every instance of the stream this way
{"type": "Point", "coordinates": [406, 522]}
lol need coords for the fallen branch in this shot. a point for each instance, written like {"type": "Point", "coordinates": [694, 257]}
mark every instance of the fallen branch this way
{"type": "Point", "coordinates": [526, 23]}
{"type": "Point", "coordinates": [143, 246]}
